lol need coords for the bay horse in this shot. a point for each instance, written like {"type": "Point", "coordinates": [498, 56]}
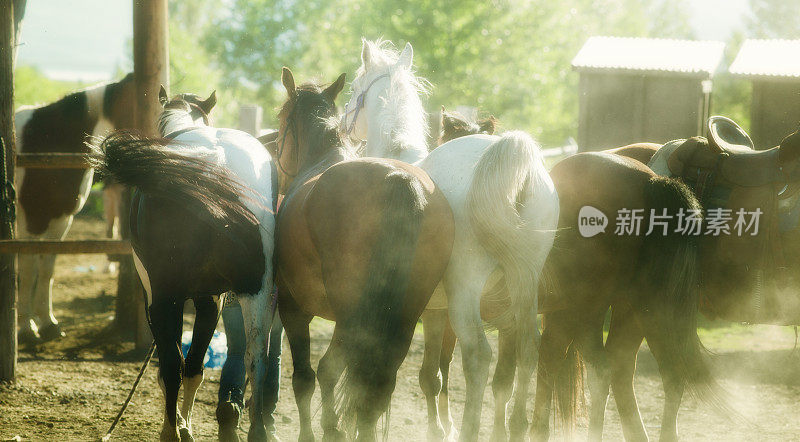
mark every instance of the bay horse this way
{"type": "Point", "coordinates": [201, 225]}
{"type": "Point", "coordinates": [362, 242]}
{"type": "Point", "coordinates": [744, 279]}
{"type": "Point", "coordinates": [49, 198]}
{"type": "Point", "coordinates": [506, 213]}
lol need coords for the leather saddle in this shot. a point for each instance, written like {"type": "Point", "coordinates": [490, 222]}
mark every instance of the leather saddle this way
{"type": "Point", "coordinates": [728, 152]}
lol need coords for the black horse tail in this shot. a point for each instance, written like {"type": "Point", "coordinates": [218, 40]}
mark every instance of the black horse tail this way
{"type": "Point", "coordinates": [379, 330]}
{"type": "Point", "coordinates": [148, 165]}
{"type": "Point", "coordinates": [669, 268]}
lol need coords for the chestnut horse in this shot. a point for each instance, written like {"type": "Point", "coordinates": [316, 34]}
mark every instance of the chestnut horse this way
{"type": "Point", "coordinates": [201, 225]}
{"type": "Point", "coordinates": [744, 279]}
{"type": "Point", "coordinates": [651, 278]}
{"type": "Point", "coordinates": [361, 242]}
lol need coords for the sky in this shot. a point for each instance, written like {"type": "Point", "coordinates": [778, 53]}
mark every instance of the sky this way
{"type": "Point", "coordinates": [87, 40]}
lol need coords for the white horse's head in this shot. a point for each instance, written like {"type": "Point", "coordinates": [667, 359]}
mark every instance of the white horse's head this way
{"type": "Point", "coordinates": [386, 94]}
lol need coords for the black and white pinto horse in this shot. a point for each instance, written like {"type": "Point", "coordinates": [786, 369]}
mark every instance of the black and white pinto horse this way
{"type": "Point", "coordinates": [49, 198]}
{"type": "Point", "coordinates": [201, 225]}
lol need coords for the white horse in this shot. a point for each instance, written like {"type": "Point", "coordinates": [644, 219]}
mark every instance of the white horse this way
{"type": "Point", "coordinates": [506, 211]}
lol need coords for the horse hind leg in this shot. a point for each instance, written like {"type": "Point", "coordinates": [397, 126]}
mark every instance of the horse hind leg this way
{"type": "Point", "coordinates": [622, 345]}
{"type": "Point", "coordinates": [256, 324]}
{"type": "Point", "coordinates": [593, 351]}
{"type": "Point", "coordinates": [167, 320]}
{"type": "Point", "coordinates": [295, 324]}
{"type": "Point", "coordinates": [329, 371]}
{"type": "Point", "coordinates": [207, 312]}
{"type": "Point", "coordinates": [49, 328]}
{"type": "Point", "coordinates": [448, 347]}
{"type": "Point", "coordinates": [433, 325]}
{"type": "Point", "coordinates": [476, 354]}
{"type": "Point", "coordinates": [503, 381]}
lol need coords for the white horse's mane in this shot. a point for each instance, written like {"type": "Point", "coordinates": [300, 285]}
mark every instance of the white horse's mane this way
{"type": "Point", "coordinates": [403, 118]}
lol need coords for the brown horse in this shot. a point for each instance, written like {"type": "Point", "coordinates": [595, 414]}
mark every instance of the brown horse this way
{"type": "Point", "coordinates": [360, 242]}
{"type": "Point", "coordinates": [649, 279]}
{"type": "Point", "coordinates": [455, 125]}
{"type": "Point", "coordinates": [746, 278]}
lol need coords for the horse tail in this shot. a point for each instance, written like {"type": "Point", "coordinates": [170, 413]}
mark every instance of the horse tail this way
{"type": "Point", "coordinates": [568, 394]}
{"type": "Point", "coordinates": [154, 169]}
{"type": "Point", "coordinates": [670, 296]}
{"type": "Point", "coordinates": [379, 329]}
{"type": "Point", "coordinates": [504, 180]}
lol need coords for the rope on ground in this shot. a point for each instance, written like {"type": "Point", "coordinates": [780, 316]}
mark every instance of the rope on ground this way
{"type": "Point", "coordinates": [130, 394]}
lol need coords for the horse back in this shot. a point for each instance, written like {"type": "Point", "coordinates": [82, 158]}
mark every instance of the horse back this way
{"type": "Point", "coordinates": [341, 219]}
{"type": "Point", "coordinates": [580, 267]}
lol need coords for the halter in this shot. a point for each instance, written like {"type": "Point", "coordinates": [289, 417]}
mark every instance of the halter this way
{"type": "Point", "coordinates": [291, 125]}
{"type": "Point", "coordinates": [192, 107]}
{"type": "Point", "coordinates": [359, 105]}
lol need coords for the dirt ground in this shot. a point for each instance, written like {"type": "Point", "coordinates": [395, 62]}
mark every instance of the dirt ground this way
{"type": "Point", "coordinates": [71, 389]}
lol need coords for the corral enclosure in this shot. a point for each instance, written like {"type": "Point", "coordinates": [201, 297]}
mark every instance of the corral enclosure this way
{"type": "Point", "coordinates": [71, 389]}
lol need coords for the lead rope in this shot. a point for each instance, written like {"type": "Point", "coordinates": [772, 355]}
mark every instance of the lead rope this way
{"type": "Point", "coordinates": [145, 363]}
{"type": "Point", "coordinates": [7, 191]}
{"type": "Point", "coordinates": [130, 394]}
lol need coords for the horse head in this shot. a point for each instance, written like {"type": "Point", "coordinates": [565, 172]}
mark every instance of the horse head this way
{"type": "Point", "coordinates": [183, 111]}
{"type": "Point", "coordinates": [305, 132]}
{"type": "Point", "coordinates": [385, 101]}
{"type": "Point", "coordinates": [455, 125]}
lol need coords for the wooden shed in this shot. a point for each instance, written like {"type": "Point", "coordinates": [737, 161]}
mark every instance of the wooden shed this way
{"type": "Point", "coordinates": [643, 89]}
{"type": "Point", "coordinates": [773, 67]}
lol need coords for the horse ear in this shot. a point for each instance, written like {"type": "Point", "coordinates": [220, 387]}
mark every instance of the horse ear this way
{"type": "Point", "coordinates": [488, 125]}
{"type": "Point", "coordinates": [406, 57]}
{"type": "Point", "coordinates": [333, 90]}
{"type": "Point", "coordinates": [210, 102]}
{"type": "Point", "coordinates": [288, 82]}
{"type": "Point", "coordinates": [365, 54]}
{"type": "Point", "coordinates": [163, 98]}
{"type": "Point", "coordinates": [448, 122]}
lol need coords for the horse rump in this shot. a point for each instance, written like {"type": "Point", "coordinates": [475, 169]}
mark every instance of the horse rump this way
{"type": "Point", "coordinates": [379, 326]}
{"type": "Point", "coordinates": [149, 165]}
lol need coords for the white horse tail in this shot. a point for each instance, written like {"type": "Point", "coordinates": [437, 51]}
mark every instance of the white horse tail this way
{"type": "Point", "coordinates": [504, 181]}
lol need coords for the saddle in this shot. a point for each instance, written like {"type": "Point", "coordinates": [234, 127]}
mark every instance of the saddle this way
{"type": "Point", "coordinates": [728, 154]}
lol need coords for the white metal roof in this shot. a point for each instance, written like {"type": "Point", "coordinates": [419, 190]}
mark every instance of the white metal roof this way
{"type": "Point", "coordinates": [701, 58]}
{"type": "Point", "coordinates": [768, 58]}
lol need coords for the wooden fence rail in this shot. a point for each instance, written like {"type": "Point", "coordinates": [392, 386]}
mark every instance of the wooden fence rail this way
{"type": "Point", "coordinates": [52, 161]}
{"type": "Point", "coordinates": [67, 247]}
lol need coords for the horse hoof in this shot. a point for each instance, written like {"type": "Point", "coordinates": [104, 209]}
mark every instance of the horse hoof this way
{"type": "Point", "coordinates": [305, 436]}
{"type": "Point", "coordinates": [29, 337]}
{"type": "Point", "coordinates": [228, 414]}
{"type": "Point", "coordinates": [499, 435]}
{"type": "Point", "coordinates": [186, 436]}
{"type": "Point", "coordinates": [333, 436]}
{"type": "Point", "coordinates": [257, 434]}
{"type": "Point", "coordinates": [50, 332]}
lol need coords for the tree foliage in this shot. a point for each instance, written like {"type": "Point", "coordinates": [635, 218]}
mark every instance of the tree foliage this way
{"type": "Point", "coordinates": [510, 58]}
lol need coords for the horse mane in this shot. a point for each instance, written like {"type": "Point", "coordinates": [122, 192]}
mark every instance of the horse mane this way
{"type": "Point", "coordinates": [316, 125]}
{"type": "Point", "coordinates": [403, 118]}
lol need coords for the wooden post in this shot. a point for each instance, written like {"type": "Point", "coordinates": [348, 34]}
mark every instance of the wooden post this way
{"type": "Point", "coordinates": [250, 119]}
{"type": "Point", "coordinates": [151, 70]}
{"type": "Point", "coordinates": [8, 274]}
